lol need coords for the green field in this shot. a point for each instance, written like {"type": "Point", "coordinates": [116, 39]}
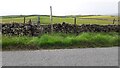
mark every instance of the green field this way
{"type": "Point", "coordinates": [44, 19]}
{"type": "Point", "coordinates": [102, 17]}
{"type": "Point", "coordinates": [60, 40]}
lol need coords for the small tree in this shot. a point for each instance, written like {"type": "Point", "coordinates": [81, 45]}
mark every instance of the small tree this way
{"type": "Point", "coordinates": [113, 21]}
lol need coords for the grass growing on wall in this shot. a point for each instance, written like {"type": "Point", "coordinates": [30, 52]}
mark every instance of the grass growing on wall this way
{"type": "Point", "coordinates": [60, 40]}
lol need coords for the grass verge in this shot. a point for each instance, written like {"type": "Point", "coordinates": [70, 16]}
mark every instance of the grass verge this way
{"type": "Point", "coordinates": [60, 40]}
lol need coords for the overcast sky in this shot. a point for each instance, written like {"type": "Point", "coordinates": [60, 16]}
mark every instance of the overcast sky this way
{"type": "Point", "coordinates": [60, 7]}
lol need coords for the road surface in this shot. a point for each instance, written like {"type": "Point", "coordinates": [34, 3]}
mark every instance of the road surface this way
{"type": "Point", "coordinates": [62, 57]}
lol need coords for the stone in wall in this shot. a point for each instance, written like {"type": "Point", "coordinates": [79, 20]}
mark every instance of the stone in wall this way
{"type": "Point", "coordinates": [37, 29]}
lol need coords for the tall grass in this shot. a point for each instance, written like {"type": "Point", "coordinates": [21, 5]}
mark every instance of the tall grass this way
{"type": "Point", "coordinates": [60, 40]}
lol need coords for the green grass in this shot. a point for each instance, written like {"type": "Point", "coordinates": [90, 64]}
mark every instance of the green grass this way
{"type": "Point", "coordinates": [58, 19]}
{"type": "Point", "coordinates": [102, 17]}
{"type": "Point", "coordinates": [60, 40]}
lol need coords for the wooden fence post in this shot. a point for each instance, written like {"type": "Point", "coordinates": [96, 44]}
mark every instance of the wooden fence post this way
{"type": "Point", "coordinates": [75, 29]}
{"type": "Point", "coordinates": [24, 19]}
{"type": "Point", "coordinates": [38, 20]}
{"type": "Point", "coordinates": [75, 20]}
{"type": "Point", "coordinates": [51, 19]}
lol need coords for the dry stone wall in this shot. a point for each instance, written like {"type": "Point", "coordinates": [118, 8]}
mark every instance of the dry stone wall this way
{"type": "Point", "coordinates": [37, 29]}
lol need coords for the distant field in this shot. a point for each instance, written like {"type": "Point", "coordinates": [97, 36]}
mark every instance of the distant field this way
{"type": "Point", "coordinates": [59, 19]}
{"type": "Point", "coordinates": [103, 17]}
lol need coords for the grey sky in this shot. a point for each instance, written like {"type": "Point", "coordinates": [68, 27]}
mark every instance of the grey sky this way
{"type": "Point", "coordinates": [60, 7]}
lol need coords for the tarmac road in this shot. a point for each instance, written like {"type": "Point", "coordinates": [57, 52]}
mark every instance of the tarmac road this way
{"type": "Point", "coordinates": [62, 57]}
